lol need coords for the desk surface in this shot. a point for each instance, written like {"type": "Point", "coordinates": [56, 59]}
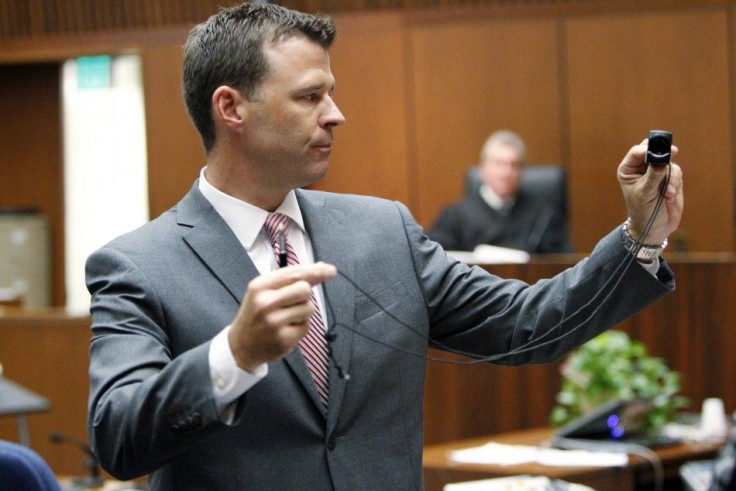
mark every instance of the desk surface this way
{"type": "Point", "coordinates": [440, 470]}
{"type": "Point", "coordinates": [39, 317]}
{"type": "Point", "coordinates": [16, 399]}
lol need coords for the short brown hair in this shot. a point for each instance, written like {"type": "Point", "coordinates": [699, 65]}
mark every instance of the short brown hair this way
{"type": "Point", "coordinates": [227, 49]}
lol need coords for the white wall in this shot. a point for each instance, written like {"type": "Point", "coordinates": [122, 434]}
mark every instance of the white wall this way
{"type": "Point", "coordinates": [105, 167]}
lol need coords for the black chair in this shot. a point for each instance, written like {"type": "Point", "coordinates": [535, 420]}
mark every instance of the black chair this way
{"type": "Point", "coordinates": [548, 182]}
{"type": "Point", "coordinates": [22, 469]}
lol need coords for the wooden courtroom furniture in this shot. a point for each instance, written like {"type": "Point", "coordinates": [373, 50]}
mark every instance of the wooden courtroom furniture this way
{"type": "Point", "coordinates": [440, 470]}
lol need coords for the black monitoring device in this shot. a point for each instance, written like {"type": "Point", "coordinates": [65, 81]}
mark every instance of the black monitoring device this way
{"type": "Point", "coordinates": [659, 147]}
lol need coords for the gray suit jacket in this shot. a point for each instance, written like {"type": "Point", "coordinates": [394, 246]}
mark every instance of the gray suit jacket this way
{"type": "Point", "coordinates": [160, 293]}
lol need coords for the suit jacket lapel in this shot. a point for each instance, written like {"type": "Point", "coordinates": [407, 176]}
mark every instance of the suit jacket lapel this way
{"type": "Point", "coordinates": [216, 245]}
{"type": "Point", "coordinates": [326, 228]}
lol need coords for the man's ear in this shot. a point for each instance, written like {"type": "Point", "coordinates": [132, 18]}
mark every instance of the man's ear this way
{"type": "Point", "coordinates": [228, 107]}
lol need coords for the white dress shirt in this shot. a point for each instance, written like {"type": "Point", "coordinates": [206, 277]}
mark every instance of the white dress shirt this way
{"type": "Point", "coordinates": [246, 221]}
{"type": "Point", "coordinates": [493, 200]}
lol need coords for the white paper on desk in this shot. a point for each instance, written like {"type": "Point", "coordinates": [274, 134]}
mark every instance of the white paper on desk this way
{"type": "Point", "coordinates": [582, 458]}
{"type": "Point", "coordinates": [515, 483]}
{"type": "Point", "coordinates": [489, 254]}
{"type": "Point", "coordinates": [502, 454]}
{"type": "Point", "coordinates": [496, 453]}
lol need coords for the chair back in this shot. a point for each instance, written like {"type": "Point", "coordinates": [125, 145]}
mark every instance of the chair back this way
{"type": "Point", "coordinates": [547, 182]}
{"type": "Point", "coordinates": [23, 469]}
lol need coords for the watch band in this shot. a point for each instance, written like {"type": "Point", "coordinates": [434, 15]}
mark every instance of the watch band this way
{"type": "Point", "coordinates": [642, 252]}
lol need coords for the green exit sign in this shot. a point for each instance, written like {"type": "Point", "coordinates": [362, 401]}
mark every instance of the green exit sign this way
{"type": "Point", "coordinates": [94, 72]}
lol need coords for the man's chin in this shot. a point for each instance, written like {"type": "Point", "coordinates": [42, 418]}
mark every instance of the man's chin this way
{"type": "Point", "coordinates": [314, 176]}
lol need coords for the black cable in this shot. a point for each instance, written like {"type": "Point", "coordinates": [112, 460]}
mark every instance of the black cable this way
{"type": "Point", "coordinates": [532, 343]}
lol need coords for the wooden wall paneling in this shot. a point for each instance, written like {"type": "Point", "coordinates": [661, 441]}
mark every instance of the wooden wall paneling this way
{"type": "Point", "coordinates": [476, 382]}
{"type": "Point", "coordinates": [442, 402]}
{"type": "Point", "coordinates": [680, 325]}
{"type": "Point", "coordinates": [692, 329]}
{"type": "Point", "coordinates": [468, 400]}
{"type": "Point", "coordinates": [469, 79]}
{"type": "Point", "coordinates": [175, 151]}
{"type": "Point", "coordinates": [709, 340]}
{"type": "Point", "coordinates": [541, 387]}
{"type": "Point", "coordinates": [47, 352]}
{"type": "Point", "coordinates": [463, 401]}
{"type": "Point", "coordinates": [726, 332]}
{"type": "Point", "coordinates": [14, 20]}
{"type": "Point", "coordinates": [31, 163]}
{"type": "Point", "coordinates": [370, 153]}
{"type": "Point", "coordinates": [629, 73]}
{"type": "Point", "coordinates": [38, 19]}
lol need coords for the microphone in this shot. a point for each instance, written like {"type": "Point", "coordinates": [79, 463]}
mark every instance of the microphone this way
{"type": "Point", "coordinates": [540, 227]}
{"type": "Point", "coordinates": [90, 461]}
{"type": "Point", "coordinates": [331, 336]}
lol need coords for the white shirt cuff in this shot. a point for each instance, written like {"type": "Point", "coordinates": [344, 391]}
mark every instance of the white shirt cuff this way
{"type": "Point", "coordinates": [652, 267]}
{"type": "Point", "coordinates": [229, 381]}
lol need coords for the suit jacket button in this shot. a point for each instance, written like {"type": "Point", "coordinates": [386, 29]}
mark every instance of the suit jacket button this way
{"type": "Point", "coordinates": [331, 444]}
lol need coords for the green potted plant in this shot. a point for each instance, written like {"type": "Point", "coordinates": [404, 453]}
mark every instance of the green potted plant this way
{"type": "Point", "coordinates": [614, 367]}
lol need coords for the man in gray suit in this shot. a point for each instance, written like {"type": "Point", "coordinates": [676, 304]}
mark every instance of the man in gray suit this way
{"type": "Point", "coordinates": [208, 360]}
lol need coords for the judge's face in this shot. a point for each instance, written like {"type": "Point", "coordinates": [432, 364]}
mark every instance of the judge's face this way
{"type": "Point", "coordinates": [292, 116]}
{"type": "Point", "coordinates": [501, 170]}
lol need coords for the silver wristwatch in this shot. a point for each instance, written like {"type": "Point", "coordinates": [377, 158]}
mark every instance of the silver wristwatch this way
{"type": "Point", "coordinates": [642, 252]}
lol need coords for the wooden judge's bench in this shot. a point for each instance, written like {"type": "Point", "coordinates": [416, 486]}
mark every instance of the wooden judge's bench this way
{"type": "Point", "coordinates": [46, 351]}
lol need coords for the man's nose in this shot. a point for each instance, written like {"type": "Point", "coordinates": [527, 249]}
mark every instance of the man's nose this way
{"type": "Point", "coordinates": [333, 116]}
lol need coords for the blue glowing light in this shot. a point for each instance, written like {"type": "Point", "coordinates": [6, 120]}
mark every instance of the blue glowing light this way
{"type": "Point", "coordinates": [617, 432]}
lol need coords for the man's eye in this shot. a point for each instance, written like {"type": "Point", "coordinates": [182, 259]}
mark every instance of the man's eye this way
{"type": "Point", "coordinates": [311, 97]}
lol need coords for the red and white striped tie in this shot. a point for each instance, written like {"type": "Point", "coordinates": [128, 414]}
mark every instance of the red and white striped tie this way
{"type": "Point", "coordinates": [314, 344]}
